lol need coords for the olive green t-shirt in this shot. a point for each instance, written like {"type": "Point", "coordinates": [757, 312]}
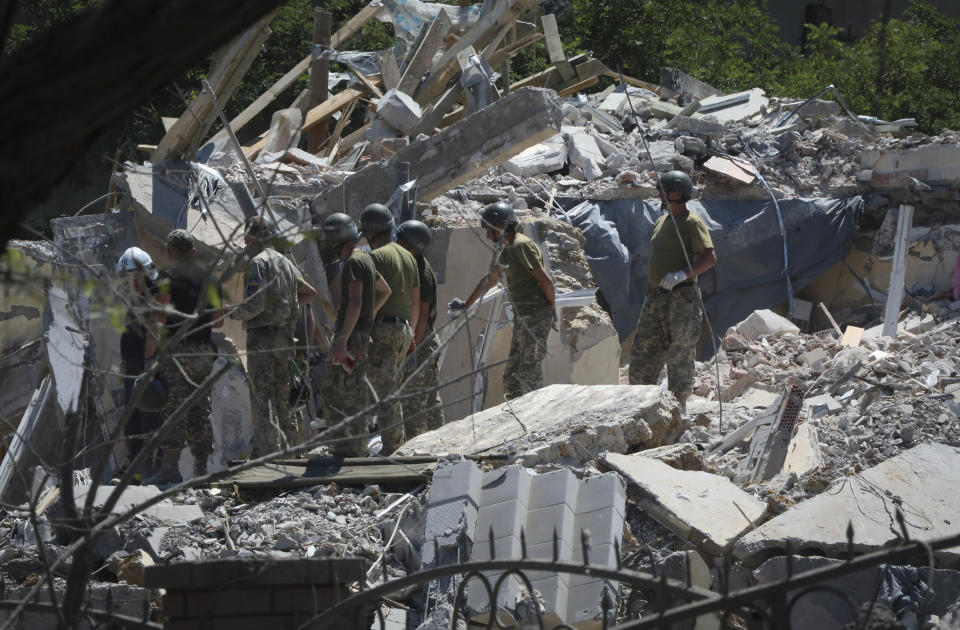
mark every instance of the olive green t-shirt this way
{"type": "Point", "coordinates": [666, 255]}
{"type": "Point", "coordinates": [520, 258]}
{"type": "Point", "coordinates": [428, 289]}
{"type": "Point", "coordinates": [359, 266]}
{"type": "Point", "coordinates": [399, 268]}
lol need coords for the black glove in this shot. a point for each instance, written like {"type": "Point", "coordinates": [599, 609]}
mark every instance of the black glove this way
{"type": "Point", "coordinates": [456, 304]}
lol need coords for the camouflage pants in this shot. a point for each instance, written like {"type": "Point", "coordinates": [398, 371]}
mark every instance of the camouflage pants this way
{"type": "Point", "coordinates": [388, 347]}
{"type": "Point", "coordinates": [268, 371]}
{"type": "Point", "coordinates": [668, 333]}
{"type": "Point", "coordinates": [423, 412]}
{"type": "Point", "coordinates": [528, 345]}
{"type": "Point", "coordinates": [345, 395]}
{"type": "Point", "coordinates": [194, 428]}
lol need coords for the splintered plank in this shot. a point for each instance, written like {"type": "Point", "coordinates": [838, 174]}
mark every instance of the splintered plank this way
{"type": "Point", "coordinates": [345, 32]}
{"type": "Point", "coordinates": [420, 59]}
{"type": "Point", "coordinates": [555, 47]}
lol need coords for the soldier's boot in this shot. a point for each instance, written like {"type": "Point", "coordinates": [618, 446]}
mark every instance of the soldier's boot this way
{"type": "Point", "coordinates": [169, 472]}
{"type": "Point", "coordinates": [199, 466]}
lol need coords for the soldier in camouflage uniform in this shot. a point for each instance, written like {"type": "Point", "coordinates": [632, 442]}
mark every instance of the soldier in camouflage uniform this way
{"type": "Point", "coordinates": [531, 293]}
{"type": "Point", "coordinates": [424, 411]}
{"type": "Point", "coordinates": [395, 322]}
{"type": "Point", "coordinates": [343, 386]}
{"type": "Point", "coordinates": [184, 286]}
{"type": "Point", "coordinates": [274, 291]}
{"type": "Point", "coordinates": [670, 320]}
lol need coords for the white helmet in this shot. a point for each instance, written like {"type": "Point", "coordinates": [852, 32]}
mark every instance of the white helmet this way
{"type": "Point", "coordinates": [134, 259]}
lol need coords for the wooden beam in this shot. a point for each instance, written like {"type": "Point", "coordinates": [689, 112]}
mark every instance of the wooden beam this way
{"type": "Point", "coordinates": [389, 70]}
{"type": "Point", "coordinates": [316, 115]}
{"type": "Point", "coordinates": [344, 33]}
{"type": "Point", "coordinates": [319, 76]}
{"type": "Point", "coordinates": [576, 86]}
{"type": "Point", "coordinates": [891, 313]}
{"type": "Point", "coordinates": [555, 47]}
{"type": "Point", "coordinates": [653, 87]}
{"type": "Point", "coordinates": [338, 130]}
{"type": "Point", "coordinates": [185, 135]}
{"type": "Point", "coordinates": [420, 59]}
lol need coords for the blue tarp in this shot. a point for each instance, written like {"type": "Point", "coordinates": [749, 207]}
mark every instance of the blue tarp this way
{"type": "Point", "coordinates": [749, 247]}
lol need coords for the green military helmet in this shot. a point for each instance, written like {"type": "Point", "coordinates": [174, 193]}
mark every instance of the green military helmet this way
{"type": "Point", "coordinates": [338, 228]}
{"type": "Point", "coordinates": [677, 181]}
{"type": "Point", "coordinates": [416, 234]}
{"type": "Point", "coordinates": [498, 215]}
{"type": "Point", "coordinates": [376, 218]}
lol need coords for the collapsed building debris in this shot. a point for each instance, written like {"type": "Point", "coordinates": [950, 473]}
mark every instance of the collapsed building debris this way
{"type": "Point", "coordinates": [790, 437]}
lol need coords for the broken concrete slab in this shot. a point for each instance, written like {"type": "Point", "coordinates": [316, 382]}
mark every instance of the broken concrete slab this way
{"type": "Point", "coordinates": [546, 157]}
{"type": "Point", "coordinates": [923, 480]}
{"type": "Point", "coordinates": [803, 452]}
{"type": "Point", "coordinates": [663, 153]}
{"type": "Point", "coordinates": [680, 82]}
{"type": "Point", "coordinates": [519, 120]}
{"type": "Point", "coordinates": [733, 107]}
{"type": "Point", "coordinates": [730, 168]}
{"type": "Point", "coordinates": [561, 424]}
{"type": "Point", "coordinates": [931, 164]}
{"type": "Point", "coordinates": [166, 510]}
{"type": "Point", "coordinates": [701, 126]}
{"type": "Point", "coordinates": [399, 110]}
{"type": "Point", "coordinates": [582, 146]}
{"type": "Point", "coordinates": [708, 510]}
{"type": "Point", "coordinates": [680, 456]}
{"type": "Point", "coordinates": [764, 323]}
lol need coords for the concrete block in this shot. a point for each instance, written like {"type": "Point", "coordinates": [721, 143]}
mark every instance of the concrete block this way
{"type": "Point", "coordinates": [698, 126]}
{"type": "Point", "coordinates": [925, 476]}
{"type": "Point", "coordinates": [601, 491]}
{"type": "Point", "coordinates": [553, 488]}
{"type": "Point", "coordinates": [764, 323]}
{"type": "Point", "coordinates": [616, 417]}
{"type": "Point", "coordinates": [478, 599]}
{"type": "Point", "coordinates": [604, 526]}
{"type": "Point", "coordinates": [932, 164]}
{"type": "Point", "coordinates": [131, 496]}
{"type": "Point", "coordinates": [585, 603]}
{"type": "Point", "coordinates": [815, 360]}
{"type": "Point", "coordinates": [451, 481]}
{"type": "Point", "coordinates": [504, 518]}
{"type": "Point", "coordinates": [543, 522]}
{"type": "Point", "coordinates": [493, 135]}
{"type": "Point", "coordinates": [505, 484]}
{"type": "Point", "coordinates": [401, 111]}
{"type": "Point", "coordinates": [695, 505]}
{"type": "Point", "coordinates": [546, 157]}
{"type": "Point", "coordinates": [681, 563]}
{"type": "Point", "coordinates": [663, 154]}
{"type": "Point", "coordinates": [591, 170]}
{"type": "Point", "coordinates": [690, 145]}
{"type": "Point", "coordinates": [544, 551]}
{"type": "Point", "coordinates": [582, 146]}
{"type": "Point", "coordinates": [734, 107]}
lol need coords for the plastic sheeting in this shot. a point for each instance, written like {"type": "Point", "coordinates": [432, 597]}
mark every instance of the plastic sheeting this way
{"type": "Point", "coordinates": [409, 16]}
{"type": "Point", "coordinates": [748, 244]}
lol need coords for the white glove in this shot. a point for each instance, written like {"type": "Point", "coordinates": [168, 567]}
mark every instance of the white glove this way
{"type": "Point", "coordinates": [672, 279]}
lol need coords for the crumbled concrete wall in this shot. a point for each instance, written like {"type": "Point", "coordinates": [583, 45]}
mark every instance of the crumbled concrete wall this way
{"type": "Point", "coordinates": [25, 266]}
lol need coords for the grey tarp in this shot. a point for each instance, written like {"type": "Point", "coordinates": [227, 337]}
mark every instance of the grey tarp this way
{"type": "Point", "coordinates": [746, 237]}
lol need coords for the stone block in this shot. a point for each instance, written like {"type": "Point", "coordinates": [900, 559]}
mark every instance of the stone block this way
{"type": "Point", "coordinates": [401, 111]}
{"type": "Point", "coordinates": [601, 491]}
{"type": "Point", "coordinates": [938, 163]}
{"type": "Point", "coordinates": [815, 360]}
{"type": "Point", "coordinates": [487, 138]}
{"type": "Point", "coordinates": [505, 484]}
{"type": "Point", "coordinates": [546, 157]}
{"type": "Point", "coordinates": [764, 323]}
{"type": "Point", "coordinates": [696, 506]}
{"type": "Point", "coordinates": [663, 154]}
{"type": "Point", "coordinates": [504, 518]}
{"type": "Point", "coordinates": [544, 551]}
{"type": "Point", "coordinates": [690, 145]}
{"type": "Point", "coordinates": [591, 170]}
{"type": "Point", "coordinates": [459, 480]}
{"type": "Point", "coordinates": [585, 603]}
{"type": "Point", "coordinates": [926, 477]}
{"type": "Point", "coordinates": [554, 591]}
{"type": "Point", "coordinates": [603, 526]}
{"type": "Point", "coordinates": [607, 418]}
{"type": "Point", "coordinates": [543, 522]}
{"type": "Point", "coordinates": [553, 488]}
